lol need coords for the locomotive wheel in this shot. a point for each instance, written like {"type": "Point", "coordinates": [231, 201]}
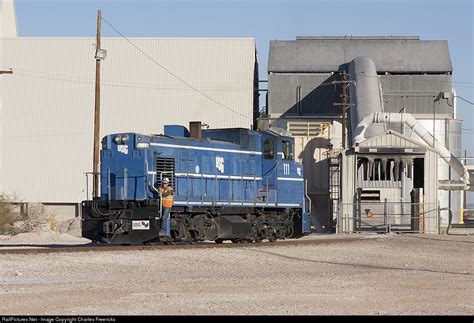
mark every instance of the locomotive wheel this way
{"type": "Point", "coordinates": [219, 241]}
{"type": "Point", "coordinates": [272, 236]}
{"type": "Point", "coordinates": [175, 236]}
{"type": "Point", "coordinates": [169, 242]}
{"type": "Point", "coordinates": [189, 237]}
{"type": "Point", "coordinates": [290, 233]}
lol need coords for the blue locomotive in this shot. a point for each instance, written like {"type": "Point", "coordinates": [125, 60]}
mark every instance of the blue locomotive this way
{"type": "Point", "coordinates": [229, 184]}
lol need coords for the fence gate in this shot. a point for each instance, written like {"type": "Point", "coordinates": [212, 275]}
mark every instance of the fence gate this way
{"type": "Point", "coordinates": [387, 216]}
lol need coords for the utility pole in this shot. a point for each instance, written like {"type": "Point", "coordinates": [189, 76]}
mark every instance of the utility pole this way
{"type": "Point", "coordinates": [95, 182]}
{"type": "Point", "coordinates": [465, 192]}
{"type": "Point", "coordinates": [344, 102]}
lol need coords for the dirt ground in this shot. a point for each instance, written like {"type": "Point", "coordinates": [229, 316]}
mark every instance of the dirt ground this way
{"type": "Point", "coordinates": [392, 274]}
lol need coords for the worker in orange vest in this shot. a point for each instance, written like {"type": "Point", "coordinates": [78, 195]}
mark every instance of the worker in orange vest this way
{"type": "Point", "coordinates": [167, 194]}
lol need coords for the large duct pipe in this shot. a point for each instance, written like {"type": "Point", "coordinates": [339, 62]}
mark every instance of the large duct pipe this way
{"type": "Point", "coordinates": [378, 118]}
{"type": "Point", "coordinates": [367, 118]}
{"type": "Point", "coordinates": [365, 94]}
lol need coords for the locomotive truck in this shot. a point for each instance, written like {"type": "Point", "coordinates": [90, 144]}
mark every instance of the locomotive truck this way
{"type": "Point", "coordinates": [229, 184]}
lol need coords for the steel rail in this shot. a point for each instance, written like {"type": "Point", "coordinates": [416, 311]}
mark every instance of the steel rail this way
{"type": "Point", "coordinates": [12, 249]}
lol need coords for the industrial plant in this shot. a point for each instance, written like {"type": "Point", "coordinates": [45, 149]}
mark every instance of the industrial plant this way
{"type": "Point", "coordinates": [262, 168]}
{"type": "Point", "coordinates": [373, 118]}
{"type": "Point", "coordinates": [363, 111]}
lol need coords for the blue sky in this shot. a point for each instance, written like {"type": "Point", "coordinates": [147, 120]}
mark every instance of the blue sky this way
{"type": "Point", "coordinates": [267, 20]}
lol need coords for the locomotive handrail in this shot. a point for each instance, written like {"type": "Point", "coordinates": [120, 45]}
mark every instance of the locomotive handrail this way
{"type": "Point", "coordinates": [231, 191]}
{"type": "Point", "coordinates": [255, 189]}
{"type": "Point", "coordinates": [187, 186]}
{"type": "Point", "coordinates": [125, 183]}
{"type": "Point", "coordinates": [217, 191]}
{"type": "Point", "coordinates": [266, 187]}
{"type": "Point", "coordinates": [109, 186]}
{"type": "Point", "coordinates": [202, 188]}
{"type": "Point", "coordinates": [153, 185]}
{"type": "Point", "coordinates": [157, 191]}
{"type": "Point", "coordinates": [306, 195]}
{"type": "Point", "coordinates": [272, 169]}
{"type": "Point", "coordinates": [87, 182]}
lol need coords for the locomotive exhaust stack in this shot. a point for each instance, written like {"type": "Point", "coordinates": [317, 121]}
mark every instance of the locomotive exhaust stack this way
{"type": "Point", "coordinates": [195, 129]}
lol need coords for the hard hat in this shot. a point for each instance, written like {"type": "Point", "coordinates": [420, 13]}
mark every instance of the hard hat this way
{"type": "Point", "coordinates": [166, 180]}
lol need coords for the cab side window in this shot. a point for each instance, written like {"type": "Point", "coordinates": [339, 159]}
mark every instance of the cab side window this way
{"type": "Point", "coordinates": [287, 150]}
{"type": "Point", "coordinates": [268, 148]}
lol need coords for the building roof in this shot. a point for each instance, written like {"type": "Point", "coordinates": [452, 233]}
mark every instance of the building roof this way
{"type": "Point", "coordinates": [394, 54]}
{"type": "Point", "coordinates": [47, 104]}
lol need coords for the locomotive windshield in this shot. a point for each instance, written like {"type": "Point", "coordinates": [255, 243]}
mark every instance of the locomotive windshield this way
{"type": "Point", "coordinates": [287, 150]}
{"type": "Point", "coordinates": [268, 149]}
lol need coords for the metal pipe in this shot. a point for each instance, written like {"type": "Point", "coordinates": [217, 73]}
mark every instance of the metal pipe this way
{"type": "Point", "coordinates": [408, 119]}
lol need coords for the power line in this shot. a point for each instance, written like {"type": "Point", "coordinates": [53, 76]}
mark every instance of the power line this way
{"type": "Point", "coordinates": [170, 72]}
{"type": "Point", "coordinates": [414, 79]}
{"type": "Point", "coordinates": [120, 84]}
{"type": "Point", "coordinates": [84, 80]}
{"type": "Point", "coordinates": [457, 96]}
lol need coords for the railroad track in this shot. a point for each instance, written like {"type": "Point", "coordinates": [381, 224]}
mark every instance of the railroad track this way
{"type": "Point", "coordinates": [8, 249]}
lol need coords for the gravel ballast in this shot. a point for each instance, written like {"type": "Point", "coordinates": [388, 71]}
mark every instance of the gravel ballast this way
{"type": "Point", "coordinates": [384, 275]}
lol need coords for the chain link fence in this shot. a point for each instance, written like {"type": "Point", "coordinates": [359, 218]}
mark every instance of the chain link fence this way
{"type": "Point", "coordinates": [386, 217]}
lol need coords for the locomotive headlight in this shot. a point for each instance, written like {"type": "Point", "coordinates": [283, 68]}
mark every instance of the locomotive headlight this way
{"type": "Point", "coordinates": [124, 139]}
{"type": "Point", "coordinates": [117, 139]}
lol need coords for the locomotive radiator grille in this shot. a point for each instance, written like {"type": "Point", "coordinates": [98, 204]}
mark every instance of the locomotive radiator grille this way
{"type": "Point", "coordinates": [166, 165]}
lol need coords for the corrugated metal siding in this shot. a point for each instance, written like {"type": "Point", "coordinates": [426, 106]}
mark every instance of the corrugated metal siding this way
{"type": "Point", "coordinates": [317, 95]}
{"type": "Point", "coordinates": [324, 55]}
{"type": "Point", "coordinates": [416, 93]}
{"type": "Point", "coordinates": [48, 103]}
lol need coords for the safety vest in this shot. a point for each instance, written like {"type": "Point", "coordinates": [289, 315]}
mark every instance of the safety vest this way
{"type": "Point", "coordinates": [167, 201]}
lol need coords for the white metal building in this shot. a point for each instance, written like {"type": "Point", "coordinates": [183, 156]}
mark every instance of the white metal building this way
{"type": "Point", "coordinates": [8, 27]}
{"type": "Point", "coordinates": [47, 104]}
